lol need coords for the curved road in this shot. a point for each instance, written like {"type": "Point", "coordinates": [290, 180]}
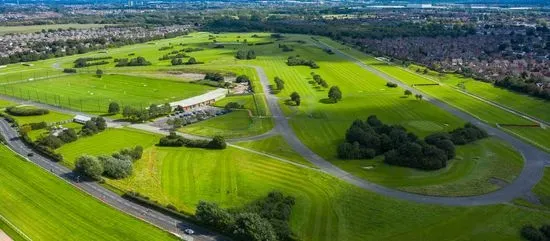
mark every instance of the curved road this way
{"type": "Point", "coordinates": [165, 222]}
{"type": "Point", "coordinates": [531, 174]}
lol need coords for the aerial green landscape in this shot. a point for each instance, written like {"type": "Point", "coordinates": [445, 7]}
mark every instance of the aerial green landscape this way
{"type": "Point", "coordinates": [233, 129]}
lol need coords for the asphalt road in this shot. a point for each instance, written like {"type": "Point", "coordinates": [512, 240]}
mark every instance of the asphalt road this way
{"type": "Point", "coordinates": [531, 174]}
{"type": "Point", "coordinates": [158, 219]}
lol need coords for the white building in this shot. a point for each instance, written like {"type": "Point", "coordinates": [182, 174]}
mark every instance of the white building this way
{"type": "Point", "coordinates": [208, 98]}
{"type": "Point", "coordinates": [81, 119]}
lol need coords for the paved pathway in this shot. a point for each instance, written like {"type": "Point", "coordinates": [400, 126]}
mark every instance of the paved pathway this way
{"type": "Point", "coordinates": [168, 223]}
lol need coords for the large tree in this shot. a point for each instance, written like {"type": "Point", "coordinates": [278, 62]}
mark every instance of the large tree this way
{"type": "Point", "coordinates": [335, 94]}
{"type": "Point", "coordinates": [295, 97]}
{"type": "Point", "coordinates": [114, 108]}
{"type": "Point", "coordinates": [89, 166]}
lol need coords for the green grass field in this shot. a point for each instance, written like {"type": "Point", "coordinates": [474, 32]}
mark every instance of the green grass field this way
{"type": "Point", "coordinates": [92, 94]}
{"type": "Point", "coordinates": [106, 142]}
{"type": "Point", "coordinates": [52, 117]}
{"type": "Point", "coordinates": [46, 208]}
{"type": "Point", "coordinates": [448, 92]}
{"type": "Point", "coordinates": [276, 146]}
{"type": "Point", "coordinates": [470, 173]}
{"type": "Point", "coordinates": [234, 124]}
{"type": "Point", "coordinates": [326, 208]}
{"type": "Point", "coordinates": [36, 28]}
{"type": "Point", "coordinates": [255, 103]}
{"type": "Point", "coordinates": [542, 189]}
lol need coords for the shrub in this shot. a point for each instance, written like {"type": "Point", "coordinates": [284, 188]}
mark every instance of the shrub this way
{"type": "Point", "coordinates": [89, 166]}
{"type": "Point", "coordinates": [218, 77]}
{"type": "Point", "coordinates": [218, 142]}
{"type": "Point", "coordinates": [50, 141]}
{"type": "Point", "coordinates": [174, 140]}
{"type": "Point", "coordinates": [233, 105]}
{"type": "Point", "coordinates": [242, 79]}
{"type": "Point", "coordinates": [69, 71]}
{"type": "Point", "coordinates": [26, 111]}
{"type": "Point", "coordinates": [391, 85]}
{"type": "Point", "coordinates": [39, 125]}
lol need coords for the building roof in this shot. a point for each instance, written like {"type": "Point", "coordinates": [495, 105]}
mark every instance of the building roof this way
{"type": "Point", "coordinates": [211, 95]}
{"type": "Point", "coordinates": [81, 118]}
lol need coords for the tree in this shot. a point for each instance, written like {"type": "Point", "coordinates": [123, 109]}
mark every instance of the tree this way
{"type": "Point", "coordinates": [531, 233]}
{"type": "Point", "coordinates": [114, 108]}
{"type": "Point", "coordinates": [89, 166]}
{"type": "Point", "coordinates": [419, 96]}
{"type": "Point", "coordinates": [116, 167]}
{"type": "Point", "coordinates": [250, 226]}
{"type": "Point", "coordinates": [335, 94]}
{"type": "Point", "coordinates": [68, 135]}
{"type": "Point", "coordinates": [279, 83]}
{"type": "Point", "coordinates": [212, 215]}
{"type": "Point", "coordinates": [408, 93]}
{"type": "Point", "coordinates": [295, 97]}
{"type": "Point", "coordinates": [99, 72]}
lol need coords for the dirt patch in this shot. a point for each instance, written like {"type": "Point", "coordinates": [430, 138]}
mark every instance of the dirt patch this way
{"type": "Point", "coordinates": [187, 76]}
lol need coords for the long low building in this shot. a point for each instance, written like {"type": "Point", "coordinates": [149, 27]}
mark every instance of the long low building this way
{"type": "Point", "coordinates": [208, 98]}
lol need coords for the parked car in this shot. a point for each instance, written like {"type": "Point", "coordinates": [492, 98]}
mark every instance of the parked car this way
{"type": "Point", "coordinates": [189, 231]}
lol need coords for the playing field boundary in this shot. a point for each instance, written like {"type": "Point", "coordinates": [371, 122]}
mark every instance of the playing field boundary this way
{"type": "Point", "coordinates": [5, 220]}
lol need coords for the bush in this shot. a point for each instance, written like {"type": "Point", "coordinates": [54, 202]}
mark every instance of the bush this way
{"type": "Point", "coordinates": [50, 141]}
{"type": "Point", "coordinates": [531, 233]}
{"type": "Point", "coordinates": [233, 105]}
{"type": "Point", "coordinates": [69, 71]}
{"type": "Point", "coordinates": [93, 126]}
{"type": "Point", "coordinates": [89, 166]}
{"type": "Point", "coordinates": [295, 60]}
{"type": "Point", "coordinates": [218, 142]}
{"type": "Point", "coordinates": [218, 77]}
{"type": "Point", "coordinates": [391, 85]}
{"type": "Point", "coordinates": [174, 140]}
{"type": "Point", "coordinates": [39, 125]}
{"type": "Point", "coordinates": [243, 54]}
{"type": "Point", "coordinates": [251, 226]}
{"type": "Point", "coordinates": [26, 111]}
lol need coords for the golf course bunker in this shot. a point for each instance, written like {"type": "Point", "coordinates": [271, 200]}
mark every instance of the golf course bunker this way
{"type": "Point", "coordinates": [424, 125]}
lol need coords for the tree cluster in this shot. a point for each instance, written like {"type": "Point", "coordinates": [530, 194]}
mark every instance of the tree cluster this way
{"type": "Point", "coordinates": [286, 48]}
{"type": "Point", "coordinates": [118, 165]}
{"type": "Point", "coordinates": [54, 142]}
{"type": "Point", "coordinates": [139, 61]}
{"type": "Point", "coordinates": [530, 86]}
{"type": "Point", "coordinates": [26, 111]}
{"type": "Point", "coordinates": [82, 62]}
{"type": "Point", "coordinates": [93, 126]}
{"type": "Point", "coordinates": [531, 233]}
{"type": "Point", "coordinates": [367, 139]}
{"type": "Point", "coordinates": [279, 83]}
{"type": "Point", "coordinates": [153, 111]}
{"type": "Point", "coordinates": [319, 80]}
{"type": "Point", "coordinates": [175, 140]}
{"type": "Point", "coordinates": [264, 220]}
{"type": "Point", "coordinates": [296, 60]}
{"type": "Point", "coordinates": [244, 54]}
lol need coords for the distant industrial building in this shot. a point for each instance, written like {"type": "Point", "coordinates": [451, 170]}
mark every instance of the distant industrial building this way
{"type": "Point", "coordinates": [201, 100]}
